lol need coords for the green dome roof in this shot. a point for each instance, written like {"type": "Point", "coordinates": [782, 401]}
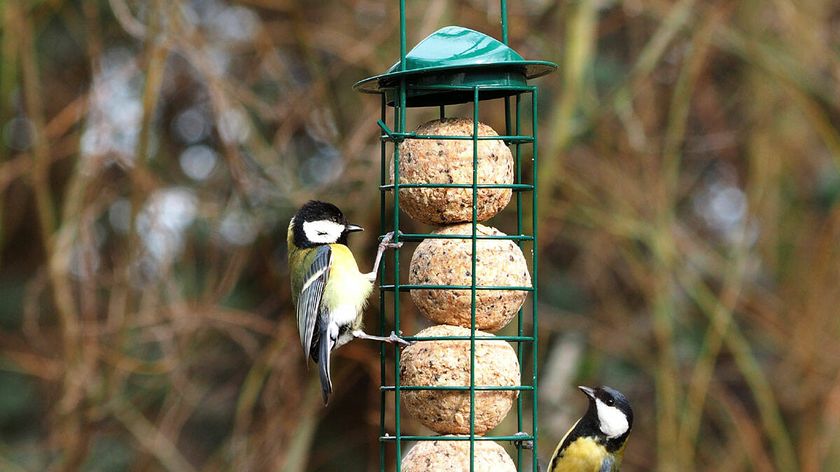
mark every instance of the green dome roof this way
{"type": "Point", "coordinates": [455, 55]}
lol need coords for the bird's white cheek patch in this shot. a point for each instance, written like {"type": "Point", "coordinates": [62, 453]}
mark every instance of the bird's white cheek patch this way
{"type": "Point", "coordinates": [322, 231]}
{"type": "Point", "coordinates": [613, 422]}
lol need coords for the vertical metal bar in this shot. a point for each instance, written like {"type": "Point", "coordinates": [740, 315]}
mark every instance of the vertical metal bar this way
{"type": "Point", "coordinates": [505, 40]}
{"type": "Point", "coordinates": [534, 278]}
{"type": "Point", "coordinates": [474, 281]}
{"type": "Point", "coordinates": [382, 309]}
{"type": "Point", "coordinates": [402, 35]}
{"type": "Point", "coordinates": [442, 113]}
{"type": "Point", "coordinates": [399, 124]}
{"type": "Point", "coordinates": [507, 118]}
{"type": "Point", "coordinates": [520, 348]}
{"type": "Point", "coordinates": [504, 22]}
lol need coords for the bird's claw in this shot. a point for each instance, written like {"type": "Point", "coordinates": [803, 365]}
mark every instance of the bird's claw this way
{"type": "Point", "coordinates": [387, 243]}
{"type": "Point", "coordinates": [523, 443]}
{"type": "Point", "coordinates": [394, 339]}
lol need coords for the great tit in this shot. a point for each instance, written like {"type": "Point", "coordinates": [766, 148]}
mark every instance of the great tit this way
{"type": "Point", "coordinates": [596, 441]}
{"type": "Point", "coordinates": [328, 290]}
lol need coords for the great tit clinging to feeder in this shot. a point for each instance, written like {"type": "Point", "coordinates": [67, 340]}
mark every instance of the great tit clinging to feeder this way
{"type": "Point", "coordinates": [596, 442]}
{"type": "Point", "coordinates": [328, 290]}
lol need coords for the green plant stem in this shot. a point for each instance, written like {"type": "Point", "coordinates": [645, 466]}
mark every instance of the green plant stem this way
{"type": "Point", "coordinates": [768, 407]}
{"type": "Point", "coordinates": [580, 44]}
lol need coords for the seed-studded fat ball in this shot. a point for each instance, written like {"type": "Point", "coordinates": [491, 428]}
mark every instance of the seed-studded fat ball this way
{"type": "Point", "coordinates": [447, 363]}
{"type": "Point", "coordinates": [454, 456]}
{"type": "Point", "coordinates": [450, 161]}
{"type": "Point", "coordinates": [499, 263]}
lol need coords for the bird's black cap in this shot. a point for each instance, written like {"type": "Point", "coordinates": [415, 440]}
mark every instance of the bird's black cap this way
{"type": "Point", "coordinates": [316, 210]}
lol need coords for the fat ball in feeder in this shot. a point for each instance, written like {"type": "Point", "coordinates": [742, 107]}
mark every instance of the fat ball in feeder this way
{"type": "Point", "coordinates": [450, 161]}
{"type": "Point", "coordinates": [454, 456]}
{"type": "Point", "coordinates": [499, 263]}
{"type": "Point", "coordinates": [447, 363]}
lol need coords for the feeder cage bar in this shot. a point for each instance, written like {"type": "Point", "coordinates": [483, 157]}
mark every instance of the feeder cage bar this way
{"type": "Point", "coordinates": [525, 343]}
{"type": "Point", "coordinates": [402, 88]}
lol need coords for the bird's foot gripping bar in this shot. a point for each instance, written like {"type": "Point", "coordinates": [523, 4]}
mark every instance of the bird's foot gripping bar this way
{"type": "Point", "coordinates": [392, 339]}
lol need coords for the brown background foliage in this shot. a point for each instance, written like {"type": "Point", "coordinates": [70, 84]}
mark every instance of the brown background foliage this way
{"type": "Point", "coordinates": [152, 152]}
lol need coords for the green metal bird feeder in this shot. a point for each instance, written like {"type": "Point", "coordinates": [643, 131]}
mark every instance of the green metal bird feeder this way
{"type": "Point", "coordinates": [457, 65]}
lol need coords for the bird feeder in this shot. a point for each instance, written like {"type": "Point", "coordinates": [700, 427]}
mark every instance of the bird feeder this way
{"type": "Point", "coordinates": [457, 65]}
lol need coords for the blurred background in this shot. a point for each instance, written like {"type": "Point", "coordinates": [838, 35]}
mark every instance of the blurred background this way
{"type": "Point", "coordinates": [152, 153]}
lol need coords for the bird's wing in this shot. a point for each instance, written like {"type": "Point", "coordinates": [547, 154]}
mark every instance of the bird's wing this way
{"type": "Point", "coordinates": [560, 447]}
{"type": "Point", "coordinates": [326, 343]}
{"type": "Point", "coordinates": [608, 464]}
{"type": "Point", "coordinates": [310, 296]}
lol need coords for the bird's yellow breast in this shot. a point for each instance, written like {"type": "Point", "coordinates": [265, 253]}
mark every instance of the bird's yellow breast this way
{"type": "Point", "coordinates": [346, 284]}
{"type": "Point", "coordinates": [583, 455]}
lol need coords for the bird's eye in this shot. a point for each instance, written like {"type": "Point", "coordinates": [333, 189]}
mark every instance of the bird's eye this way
{"type": "Point", "coordinates": [610, 402]}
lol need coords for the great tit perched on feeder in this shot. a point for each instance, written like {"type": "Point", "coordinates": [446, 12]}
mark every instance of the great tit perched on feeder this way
{"type": "Point", "coordinates": [328, 290]}
{"type": "Point", "coordinates": [596, 441]}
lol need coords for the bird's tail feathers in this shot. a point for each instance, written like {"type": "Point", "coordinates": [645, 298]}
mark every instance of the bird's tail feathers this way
{"type": "Point", "coordinates": [326, 345]}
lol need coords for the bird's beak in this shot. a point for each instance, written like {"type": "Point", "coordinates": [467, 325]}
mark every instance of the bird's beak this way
{"type": "Point", "coordinates": [351, 228]}
{"type": "Point", "coordinates": [590, 392]}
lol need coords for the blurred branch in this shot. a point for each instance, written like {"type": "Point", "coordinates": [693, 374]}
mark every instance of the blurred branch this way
{"type": "Point", "coordinates": [689, 224]}
{"type": "Point", "coordinates": [749, 438]}
{"type": "Point", "coordinates": [814, 99]}
{"type": "Point", "coordinates": [123, 15]}
{"type": "Point", "coordinates": [755, 376]}
{"type": "Point", "coordinates": [8, 79]}
{"type": "Point", "coordinates": [301, 444]}
{"type": "Point", "coordinates": [74, 373]}
{"type": "Point", "coordinates": [676, 18]}
{"type": "Point", "coordinates": [580, 42]}
{"type": "Point", "coordinates": [8, 465]}
{"type": "Point", "coordinates": [150, 437]}
{"type": "Point", "coordinates": [29, 364]}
